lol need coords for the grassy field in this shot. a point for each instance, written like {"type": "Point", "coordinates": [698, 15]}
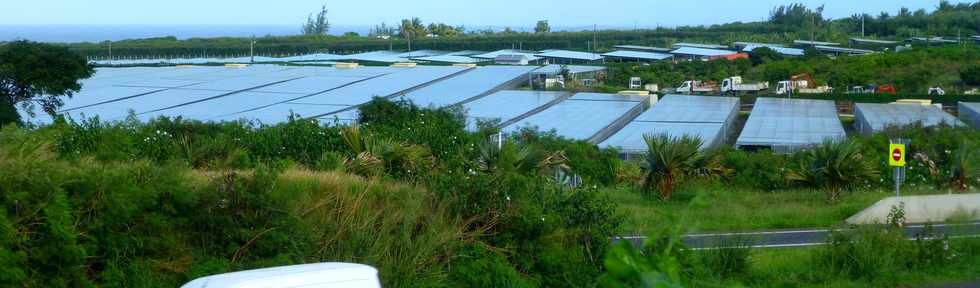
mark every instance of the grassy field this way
{"type": "Point", "coordinates": [722, 208]}
{"type": "Point", "coordinates": [794, 267]}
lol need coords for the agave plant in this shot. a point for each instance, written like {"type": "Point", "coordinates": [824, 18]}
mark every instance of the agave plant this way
{"type": "Point", "coordinates": [965, 164]}
{"type": "Point", "coordinates": [833, 166]}
{"type": "Point", "coordinates": [669, 160]}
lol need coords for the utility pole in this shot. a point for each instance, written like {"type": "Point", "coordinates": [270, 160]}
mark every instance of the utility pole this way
{"type": "Point", "coordinates": [595, 38]}
{"type": "Point", "coordinates": [862, 24]}
{"type": "Point", "coordinates": [251, 49]}
{"type": "Point", "coordinates": [110, 52]}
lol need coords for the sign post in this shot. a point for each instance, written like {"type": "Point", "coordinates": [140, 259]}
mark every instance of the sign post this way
{"type": "Point", "coordinates": [896, 159]}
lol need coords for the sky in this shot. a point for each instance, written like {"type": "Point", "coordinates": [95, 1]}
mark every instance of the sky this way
{"type": "Point", "coordinates": [470, 13]}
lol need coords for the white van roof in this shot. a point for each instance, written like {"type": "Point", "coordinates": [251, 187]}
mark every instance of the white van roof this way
{"type": "Point", "coordinates": [321, 275]}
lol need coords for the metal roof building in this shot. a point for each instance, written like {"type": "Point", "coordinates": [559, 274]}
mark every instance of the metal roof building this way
{"type": "Point", "coordinates": [778, 49]}
{"type": "Point", "coordinates": [566, 56]}
{"type": "Point", "coordinates": [860, 41]}
{"type": "Point", "coordinates": [701, 52]}
{"type": "Point", "coordinates": [472, 84]}
{"type": "Point", "coordinates": [707, 117]}
{"type": "Point", "coordinates": [842, 50]}
{"type": "Point", "coordinates": [494, 54]}
{"type": "Point", "coordinates": [509, 106]}
{"type": "Point", "coordinates": [456, 59]}
{"type": "Point", "coordinates": [870, 118]}
{"type": "Point", "coordinates": [970, 113]}
{"type": "Point", "coordinates": [555, 69]}
{"type": "Point", "coordinates": [787, 125]}
{"type": "Point", "coordinates": [699, 45]}
{"type": "Point", "coordinates": [591, 117]}
{"type": "Point", "coordinates": [624, 55]}
{"type": "Point", "coordinates": [814, 43]}
{"type": "Point", "coordinates": [642, 48]}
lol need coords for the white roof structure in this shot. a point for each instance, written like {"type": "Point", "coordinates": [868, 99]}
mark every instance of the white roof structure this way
{"type": "Point", "coordinates": [778, 49]}
{"type": "Point", "coordinates": [637, 55]}
{"type": "Point", "coordinates": [787, 125]}
{"type": "Point", "coordinates": [813, 43]}
{"type": "Point", "coordinates": [842, 50]}
{"type": "Point", "coordinates": [322, 275]}
{"type": "Point", "coordinates": [376, 56]}
{"type": "Point", "coordinates": [702, 52]}
{"type": "Point", "coordinates": [571, 55]}
{"type": "Point", "coordinates": [450, 59]}
{"type": "Point", "coordinates": [555, 69]}
{"type": "Point", "coordinates": [642, 48]}
{"type": "Point", "coordinates": [970, 113]}
{"type": "Point", "coordinates": [870, 118]}
{"type": "Point", "coordinates": [474, 83]}
{"type": "Point", "coordinates": [699, 45]}
{"type": "Point", "coordinates": [508, 106]}
{"type": "Point", "coordinates": [494, 54]}
{"type": "Point", "coordinates": [862, 41]}
{"type": "Point", "coordinates": [583, 119]}
{"type": "Point", "coordinates": [707, 117]}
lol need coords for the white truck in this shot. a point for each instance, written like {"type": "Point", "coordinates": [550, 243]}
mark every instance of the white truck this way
{"type": "Point", "coordinates": [695, 86]}
{"type": "Point", "coordinates": [735, 85]}
{"type": "Point", "coordinates": [800, 86]}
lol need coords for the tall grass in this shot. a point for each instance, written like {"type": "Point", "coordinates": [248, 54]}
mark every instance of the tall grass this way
{"type": "Point", "coordinates": [133, 224]}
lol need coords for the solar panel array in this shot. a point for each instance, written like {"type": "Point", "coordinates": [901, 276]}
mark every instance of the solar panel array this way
{"type": "Point", "coordinates": [707, 117]}
{"type": "Point", "coordinates": [786, 125]}
{"type": "Point", "coordinates": [970, 113]}
{"type": "Point", "coordinates": [590, 117]}
{"type": "Point", "coordinates": [872, 117]}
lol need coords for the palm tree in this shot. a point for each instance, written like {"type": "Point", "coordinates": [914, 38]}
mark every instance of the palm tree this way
{"type": "Point", "coordinates": [965, 164]}
{"type": "Point", "coordinates": [834, 166]}
{"type": "Point", "coordinates": [669, 160]}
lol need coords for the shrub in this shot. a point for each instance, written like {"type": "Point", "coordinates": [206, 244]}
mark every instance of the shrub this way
{"type": "Point", "coordinates": [756, 169]}
{"type": "Point", "coordinates": [833, 166]}
{"type": "Point", "coordinates": [669, 160]}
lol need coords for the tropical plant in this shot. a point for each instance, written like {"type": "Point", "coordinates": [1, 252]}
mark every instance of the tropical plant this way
{"type": "Point", "coordinates": [965, 163]}
{"type": "Point", "coordinates": [669, 160]}
{"type": "Point", "coordinates": [833, 166]}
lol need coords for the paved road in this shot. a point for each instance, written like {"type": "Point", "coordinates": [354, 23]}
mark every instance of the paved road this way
{"type": "Point", "coordinates": [797, 238]}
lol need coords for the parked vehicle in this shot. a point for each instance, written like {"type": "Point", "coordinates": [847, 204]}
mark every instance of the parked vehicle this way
{"type": "Point", "coordinates": [320, 275]}
{"type": "Point", "coordinates": [873, 89]}
{"type": "Point", "coordinates": [735, 85]}
{"type": "Point", "coordinates": [696, 86]}
{"type": "Point", "coordinates": [937, 91]}
{"type": "Point", "coordinates": [802, 83]}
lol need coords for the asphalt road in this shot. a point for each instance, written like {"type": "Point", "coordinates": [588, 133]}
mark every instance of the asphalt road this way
{"type": "Point", "coordinates": [797, 238]}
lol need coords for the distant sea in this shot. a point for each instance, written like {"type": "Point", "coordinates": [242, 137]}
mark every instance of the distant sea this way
{"type": "Point", "coordinates": [98, 33]}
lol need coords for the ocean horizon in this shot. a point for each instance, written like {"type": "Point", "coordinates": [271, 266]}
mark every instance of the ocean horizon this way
{"type": "Point", "coordinates": [63, 33]}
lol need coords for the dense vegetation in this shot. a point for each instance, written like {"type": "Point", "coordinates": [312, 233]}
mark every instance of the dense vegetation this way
{"type": "Point", "coordinates": [912, 72]}
{"type": "Point", "coordinates": [409, 191]}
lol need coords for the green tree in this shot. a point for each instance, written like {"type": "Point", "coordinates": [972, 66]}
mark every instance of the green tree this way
{"type": "Point", "coordinates": [317, 24]}
{"type": "Point", "coordinates": [764, 54]}
{"type": "Point", "coordinates": [412, 28]}
{"type": "Point", "coordinates": [542, 27]}
{"type": "Point", "coordinates": [35, 74]}
{"type": "Point", "coordinates": [669, 160]}
{"type": "Point", "coordinates": [971, 75]}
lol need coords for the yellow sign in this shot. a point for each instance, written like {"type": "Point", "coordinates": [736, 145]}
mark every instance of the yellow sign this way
{"type": "Point", "coordinates": [896, 155]}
